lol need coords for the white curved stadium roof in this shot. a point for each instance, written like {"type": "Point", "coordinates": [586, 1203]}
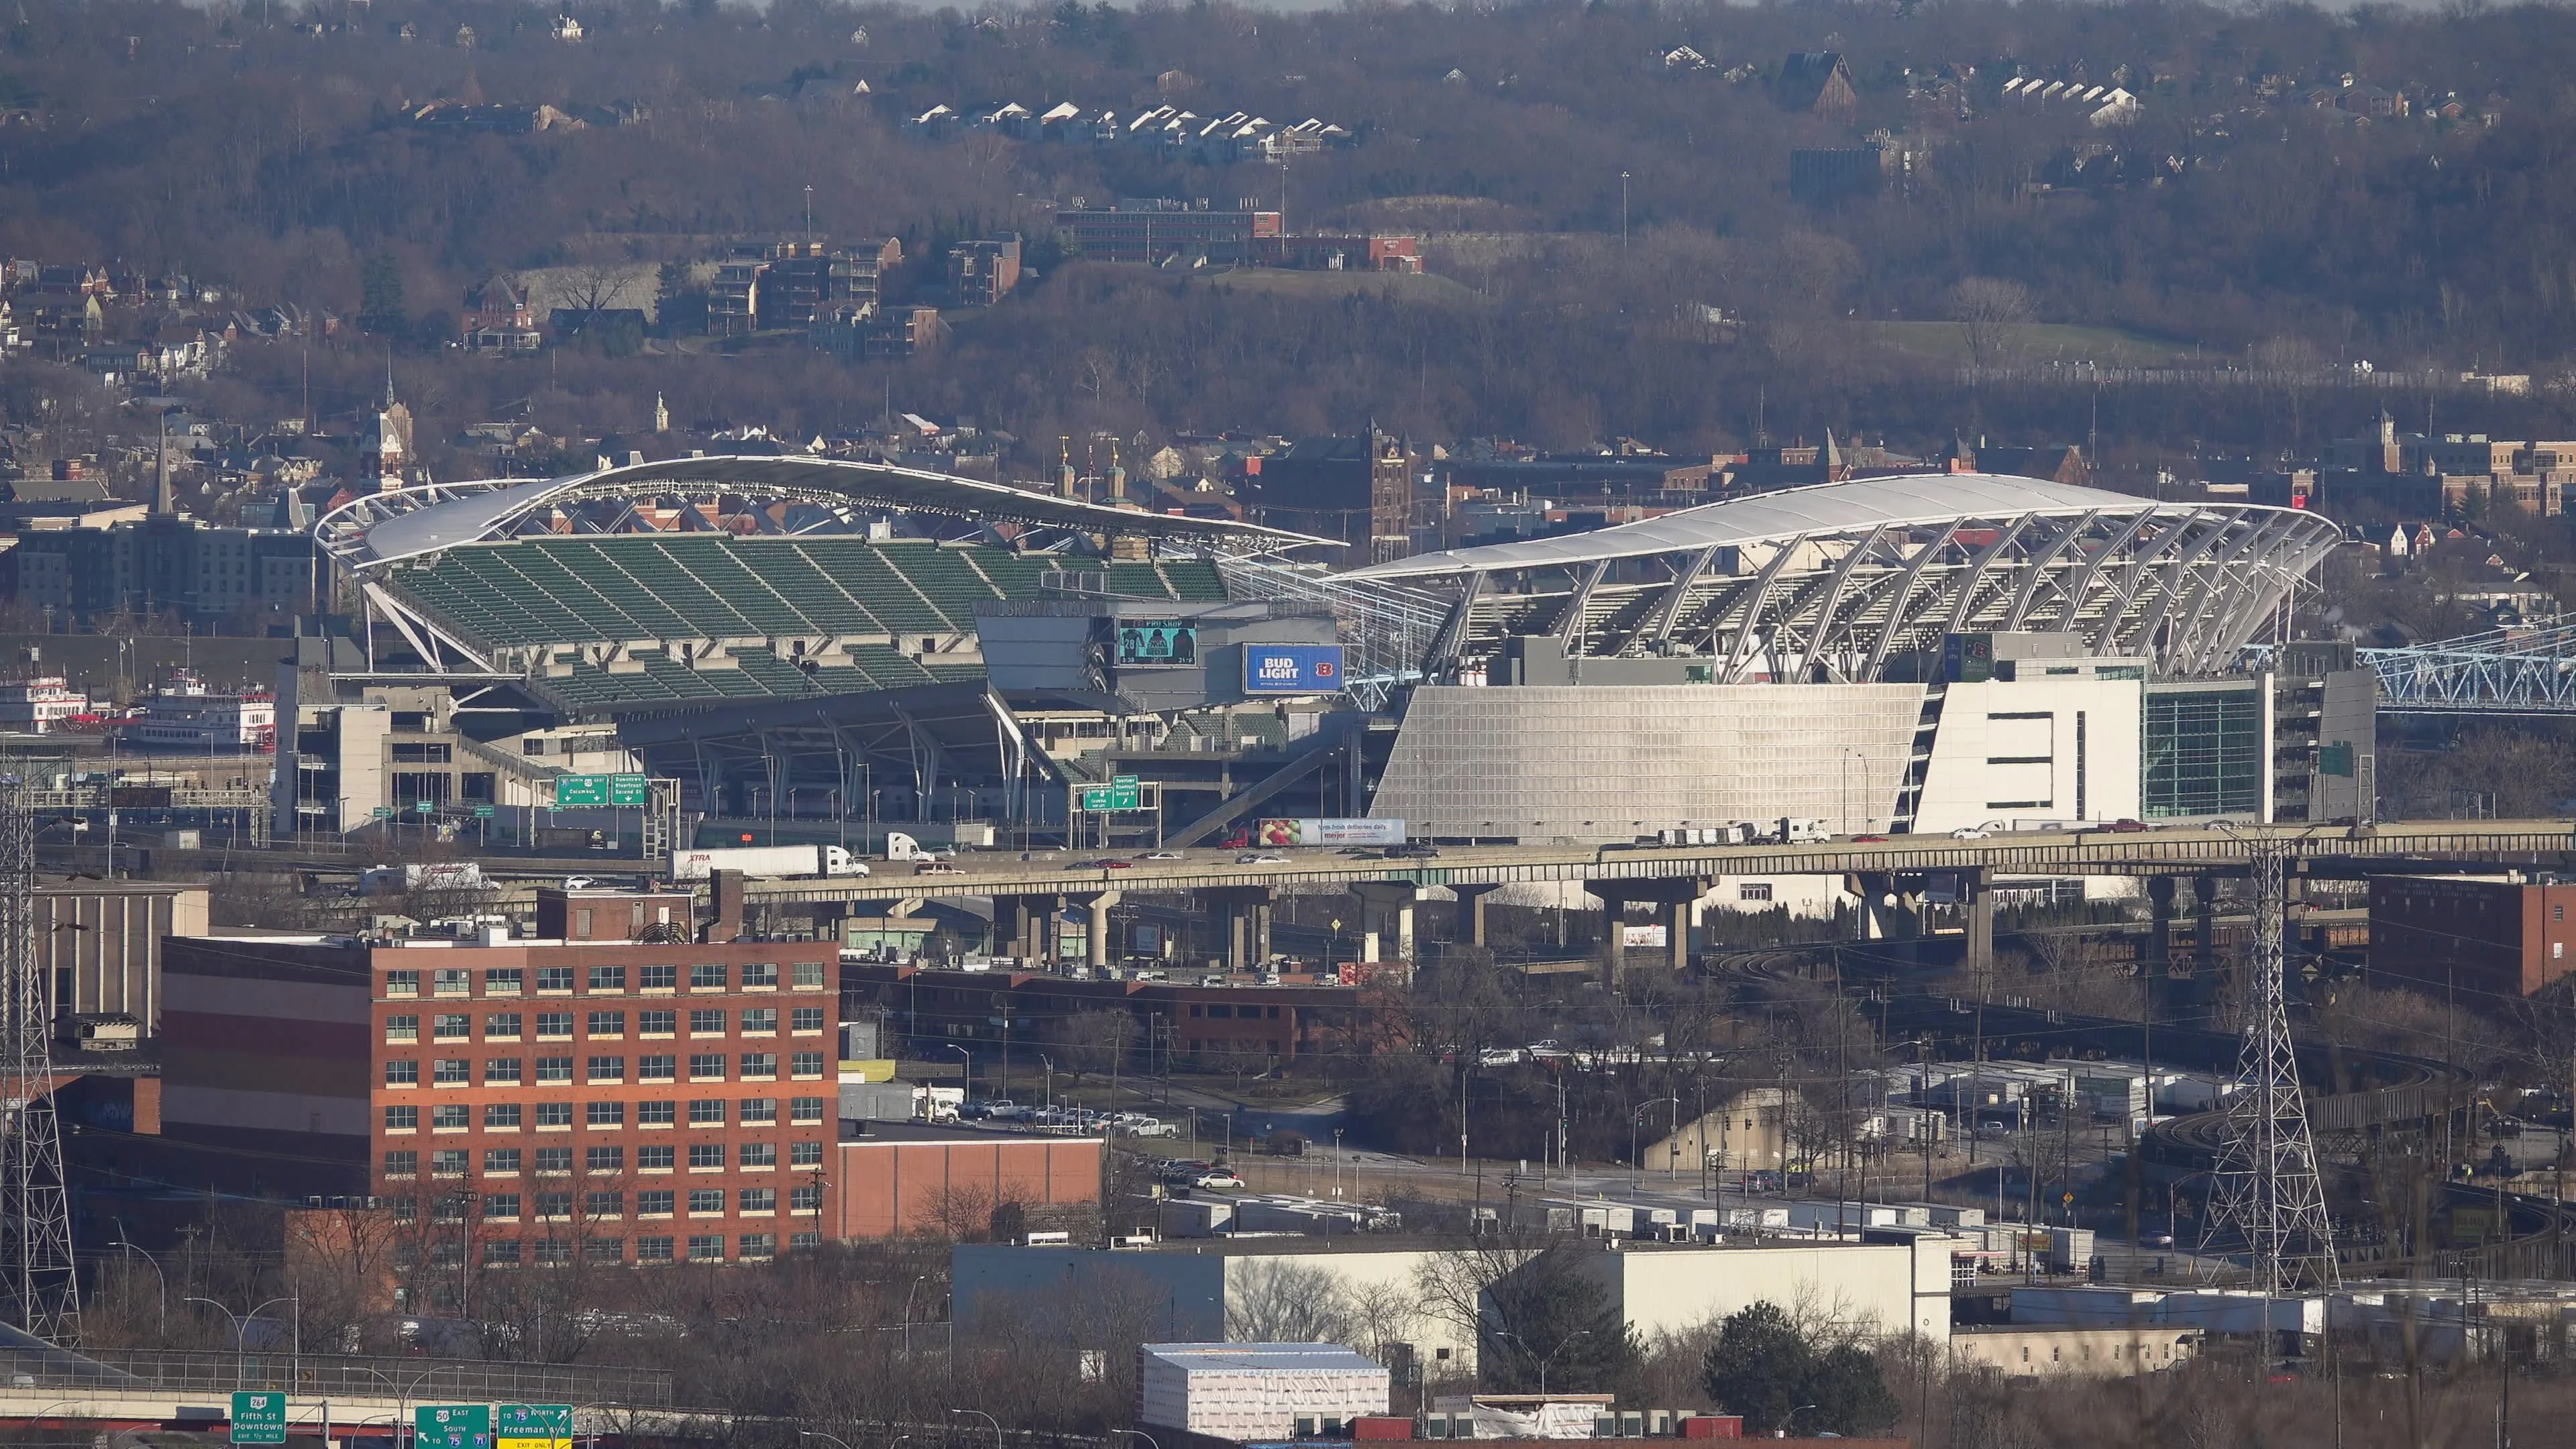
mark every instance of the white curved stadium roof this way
{"type": "Point", "coordinates": [385, 527]}
{"type": "Point", "coordinates": [1824, 509]}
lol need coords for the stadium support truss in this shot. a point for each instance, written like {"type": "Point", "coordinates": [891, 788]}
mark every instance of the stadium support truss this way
{"type": "Point", "coordinates": [1832, 582]}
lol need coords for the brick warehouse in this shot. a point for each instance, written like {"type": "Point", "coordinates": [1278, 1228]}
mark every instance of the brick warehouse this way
{"type": "Point", "coordinates": [628, 1102]}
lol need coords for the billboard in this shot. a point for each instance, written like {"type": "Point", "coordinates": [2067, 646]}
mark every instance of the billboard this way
{"type": "Point", "coordinates": [1330, 832]}
{"type": "Point", "coordinates": [1292, 668]}
{"type": "Point", "coordinates": [1157, 641]}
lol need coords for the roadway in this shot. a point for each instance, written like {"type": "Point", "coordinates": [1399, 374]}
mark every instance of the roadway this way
{"type": "Point", "coordinates": [2172, 851]}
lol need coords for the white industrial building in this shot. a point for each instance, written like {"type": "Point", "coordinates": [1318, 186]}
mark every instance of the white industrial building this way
{"type": "Point", "coordinates": [1248, 1391]}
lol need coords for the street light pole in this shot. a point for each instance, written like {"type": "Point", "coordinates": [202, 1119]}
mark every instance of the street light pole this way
{"type": "Point", "coordinates": [164, 1280]}
{"type": "Point", "coordinates": [987, 1418]}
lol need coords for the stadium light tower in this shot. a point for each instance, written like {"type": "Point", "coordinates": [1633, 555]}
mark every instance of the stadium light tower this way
{"type": "Point", "coordinates": [2267, 1189]}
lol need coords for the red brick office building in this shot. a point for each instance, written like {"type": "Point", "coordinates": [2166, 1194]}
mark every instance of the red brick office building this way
{"type": "Point", "coordinates": [524, 1102]}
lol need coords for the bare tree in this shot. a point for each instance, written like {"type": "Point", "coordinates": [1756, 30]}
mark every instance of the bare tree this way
{"type": "Point", "coordinates": [1988, 310]}
{"type": "Point", "coordinates": [1281, 1300]}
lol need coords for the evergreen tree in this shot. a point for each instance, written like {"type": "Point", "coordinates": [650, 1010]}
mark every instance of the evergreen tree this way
{"type": "Point", "coordinates": [380, 297]}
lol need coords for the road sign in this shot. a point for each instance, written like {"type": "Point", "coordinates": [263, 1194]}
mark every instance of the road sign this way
{"type": "Point", "coordinates": [384, 812]}
{"type": "Point", "coordinates": [535, 1426]}
{"type": "Point", "coordinates": [629, 792]}
{"type": "Point", "coordinates": [259, 1418]}
{"type": "Point", "coordinates": [453, 1426]}
{"type": "Point", "coordinates": [425, 807]}
{"type": "Point", "coordinates": [572, 790]}
{"type": "Point", "coordinates": [482, 812]}
{"type": "Point", "coordinates": [1123, 782]}
{"type": "Point", "coordinates": [1102, 798]}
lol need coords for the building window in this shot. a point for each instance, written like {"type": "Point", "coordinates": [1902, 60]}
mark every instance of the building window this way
{"type": "Point", "coordinates": [501, 1253]}
{"type": "Point", "coordinates": [706, 1202]}
{"type": "Point", "coordinates": [554, 1205]}
{"type": "Point", "coordinates": [763, 1066]}
{"type": "Point", "coordinates": [554, 978]}
{"type": "Point", "coordinates": [760, 1021]}
{"type": "Point", "coordinates": [656, 1068]}
{"type": "Point", "coordinates": [656, 1114]}
{"type": "Point", "coordinates": [708, 978]}
{"type": "Point", "coordinates": [707, 1067]}
{"type": "Point", "coordinates": [501, 1161]}
{"type": "Point", "coordinates": [805, 1109]}
{"type": "Point", "coordinates": [1753, 891]}
{"type": "Point", "coordinates": [500, 1207]}
{"type": "Point", "coordinates": [652, 1250]}
{"type": "Point", "coordinates": [804, 1154]}
{"type": "Point", "coordinates": [447, 1162]}
{"type": "Point", "coordinates": [759, 1154]}
{"type": "Point", "coordinates": [453, 1117]}
{"type": "Point", "coordinates": [608, 1023]}
{"type": "Point", "coordinates": [606, 1159]}
{"type": "Point", "coordinates": [501, 1072]}
{"type": "Point", "coordinates": [707, 1112]}
{"type": "Point", "coordinates": [501, 1117]}
{"type": "Point", "coordinates": [608, 1069]}
{"type": "Point", "coordinates": [402, 1164]}
{"type": "Point", "coordinates": [707, 1023]}
{"type": "Point", "coordinates": [554, 1116]}
{"type": "Point", "coordinates": [758, 1200]}
{"type": "Point", "coordinates": [706, 1247]}
{"type": "Point", "coordinates": [402, 1073]}
{"type": "Point", "coordinates": [502, 1026]}
{"type": "Point", "coordinates": [760, 976]}
{"type": "Point", "coordinates": [759, 1111]}
{"type": "Point", "coordinates": [805, 1065]}
{"type": "Point", "coordinates": [452, 1026]}
{"type": "Point", "coordinates": [452, 1072]}
{"type": "Point", "coordinates": [604, 1204]}
{"type": "Point", "coordinates": [604, 1250]}
{"type": "Point", "coordinates": [449, 981]}
{"type": "Point", "coordinates": [553, 1252]}
{"type": "Point", "coordinates": [554, 1162]}
{"type": "Point", "coordinates": [607, 1114]}
{"type": "Point", "coordinates": [706, 1157]}
{"type": "Point", "coordinates": [759, 1246]}
{"type": "Point", "coordinates": [655, 1202]}
{"type": "Point", "coordinates": [804, 1242]}
{"type": "Point", "coordinates": [504, 981]}
{"type": "Point", "coordinates": [608, 978]}
{"type": "Point", "coordinates": [805, 1020]}
{"type": "Point", "coordinates": [806, 1199]}
{"type": "Point", "coordinates": [809, 975]}
{"type": "Point", "coordinates": [659, 978]}
{"type": "Point", "coordinates": [657, 1023]}
{"type": "Point", "coordinates": [653, 1159]}
{"type": "Point", "coordinates": [402, 983]}
{"type": "Point", "coordinates": [554, 1069]}
{"type": "Point", "coordinates": [554, 1026]}
{"type": "Point", "coordinates": [402, 1028]}
{"type": "Point", "coordinates": [402, 1119]}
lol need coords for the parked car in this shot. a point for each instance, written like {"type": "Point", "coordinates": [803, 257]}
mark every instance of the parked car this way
{"type": "Point", "coordinates": [1218, 1179]}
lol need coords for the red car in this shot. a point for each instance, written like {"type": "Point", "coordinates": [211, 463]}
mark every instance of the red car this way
{"type": "Point", "coordinates": [1869, 840]}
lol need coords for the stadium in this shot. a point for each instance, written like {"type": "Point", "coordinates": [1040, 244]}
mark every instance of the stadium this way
{"type": "Point", "coordinates": [785, 639]}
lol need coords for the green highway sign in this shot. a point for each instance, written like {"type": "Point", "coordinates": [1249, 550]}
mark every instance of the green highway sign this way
{"type": "Point", "coordinates": [453, 1426]}
{"type": "Point", "coordinates": [384, 812]}
{"type": "Point", "coordinates": [535, 1426]}
{"type": "Point", "coordinates": [425, 807]}
{"type": "Point", "coordinates": [1123, 782]}
{"type": "Point", "coordinates": [482, 812]}
{"type": "Point", "coordinates": [259, 1418]}
{"type": "Point", "coordinates": [1099, 798]}
{"type": "Point", "coordinates": [619, 792]}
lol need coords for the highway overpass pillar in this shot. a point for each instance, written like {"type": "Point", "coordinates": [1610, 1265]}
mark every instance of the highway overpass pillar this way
{"type": "Point", "coordinates": [2204, 924]}
{"type": "Point", "coordinates": [2160, 905]}
{"type": "Point", "coordinates": [1096, 931]}
{"type": "Point", "coordinates": [1386, 918]}
{"type": "Point", "coordinates": [1471, 909]}
{"type": "Point", "coordinates": [1977, 903]}
{"type": "Point", "coordinates": [1247, 923]}
{"type": "Point", "coordinates": [1891, 910]}
{"type": "Point", "coordinates": [1676, 897]}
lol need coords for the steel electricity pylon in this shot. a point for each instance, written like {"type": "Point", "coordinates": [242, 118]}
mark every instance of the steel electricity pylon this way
{"type": "Point", "coordinates": [35, 1212]}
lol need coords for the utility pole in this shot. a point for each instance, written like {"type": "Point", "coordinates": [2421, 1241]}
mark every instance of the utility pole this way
{"type": "Point", "coordinates": [35, 1211]}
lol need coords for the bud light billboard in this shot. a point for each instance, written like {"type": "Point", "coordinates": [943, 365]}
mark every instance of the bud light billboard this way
{"type": "Point", "coordinates": [1292, 668]}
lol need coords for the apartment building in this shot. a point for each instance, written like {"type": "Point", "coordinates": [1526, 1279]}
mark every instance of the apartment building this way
{"type": "Point", "coordinates": [524, 1101]}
